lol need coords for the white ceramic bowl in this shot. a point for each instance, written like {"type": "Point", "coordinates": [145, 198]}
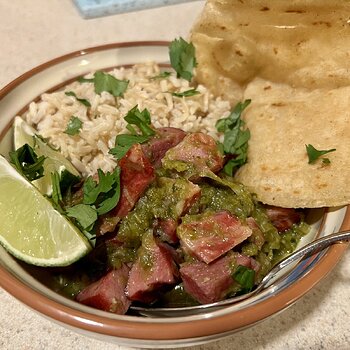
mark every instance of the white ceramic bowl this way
{"type": "Point", "coordinates": [134, 330]}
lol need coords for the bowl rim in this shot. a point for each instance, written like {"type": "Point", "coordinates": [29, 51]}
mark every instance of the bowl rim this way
{"type": "Point", "coordinates": [130, 327]}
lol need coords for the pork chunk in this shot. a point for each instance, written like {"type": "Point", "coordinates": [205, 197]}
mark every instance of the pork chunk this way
{"type": "Point", "coordinates": [195, 154]}
{"type": "Point", "coordinates": [282, 218]}
{"type": "Point", "coordinates": [136, 175]}
{"type": "Point", "coordinates": [164, 139]}
{"type": "Point", "coordinates": [108, 293]}
{"type": "Point", "coordinates": [153, 269]}
{"type": "Point", "coordinates": [210, 235]}
{"type": "Point", "coordinates": [208, 283]}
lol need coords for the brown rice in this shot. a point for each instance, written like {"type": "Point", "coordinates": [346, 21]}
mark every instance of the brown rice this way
{"type": "Point", "coordinates": [88, 150]}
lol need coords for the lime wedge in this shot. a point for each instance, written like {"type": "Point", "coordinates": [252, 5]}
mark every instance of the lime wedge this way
{"type": "Point", "coordinates": [55, 161]}
{"type": "Point", "coordinates": [31, 229]}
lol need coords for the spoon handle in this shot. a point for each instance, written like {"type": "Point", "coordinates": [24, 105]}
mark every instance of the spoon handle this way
{"type": "Point", "coordinates": [306, 251]}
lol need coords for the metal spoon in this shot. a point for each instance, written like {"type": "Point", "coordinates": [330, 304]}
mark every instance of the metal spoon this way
{"type": "Point", "coordinates": [308, 250]}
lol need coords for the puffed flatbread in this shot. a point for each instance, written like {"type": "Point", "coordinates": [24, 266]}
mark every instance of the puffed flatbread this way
{"type": "Point", "coordinates": [303, 43]}
{"type": "Point", "coordinates": [282, 120]}
{"type": "Point", "coordinates": [292, 59]}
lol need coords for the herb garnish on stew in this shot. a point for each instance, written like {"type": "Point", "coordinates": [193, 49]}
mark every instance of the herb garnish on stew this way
{"type": "Point", "coordinates": [236, 138]}
{"type": "Point", "coordinates": [135, 118]}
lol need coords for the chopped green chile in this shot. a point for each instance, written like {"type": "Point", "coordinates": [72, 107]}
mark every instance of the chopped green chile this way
{"type": "Point", "coordinates": [245, 277]}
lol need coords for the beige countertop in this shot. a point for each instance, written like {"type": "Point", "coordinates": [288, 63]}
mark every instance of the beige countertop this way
{"type": "Point", "coordinates": [34, 31]}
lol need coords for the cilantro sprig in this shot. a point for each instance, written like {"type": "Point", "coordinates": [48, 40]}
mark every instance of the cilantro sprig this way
{"type": "Point", "coordinates": [314, 154]}
{"type": "Point", "coordinates": [84, 214]}
{"type": "Point", "coordinates": [141, 119]}
{"type": "Point", "coordinates": [124, 142]}
{"type": "Point", "coordinates": [182, 58]}
{"type": "Point", "coordinates": [83, 101]}
{"type": "Point", "coordinates": [99, 197]}
{"type": "Point", "coordinates": [27, 162]}
{"type": "Point", "coordinates": [74, 125]}
{"type": "Point", "coordinates": [103, 194]}
{"type": "Point", "coordinates": [236, 137]}
{"type": "Point", "coordinates": [139, 125]}
{"type": "Point", "coordinates": [106, 82]}
{"type": "Point", "coordinates": [61, 184]}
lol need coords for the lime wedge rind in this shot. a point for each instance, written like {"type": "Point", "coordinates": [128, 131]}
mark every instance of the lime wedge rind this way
{"type": "Point", "coordinates": [43, 262]}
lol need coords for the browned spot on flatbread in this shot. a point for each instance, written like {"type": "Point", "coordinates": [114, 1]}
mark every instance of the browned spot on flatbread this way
{"type": "Point", "coordinates": [324, 23]}
{"type": "Point", "coordinates": [295, 11]}
{"type": "Point", "coordinates": [278, 104]}
{"type": "Point", "coordinates": [301, 42]}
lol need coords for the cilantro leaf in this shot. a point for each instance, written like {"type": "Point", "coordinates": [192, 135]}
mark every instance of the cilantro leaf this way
{"type": "Point", "coordinates": [226, 123]}
{"type": "Point", "coordinates": [81, 100]}
{"type": "Point", "coordinates": [111, 198]}
{"type": "Point", "coordinates": [129, 140]}
{"type": "Point", "coordinates": [235, 144]}
{"type": "Point", "coordinates": [93, 189]}
{"type": "Point", "coordinates": [161, 75]}
{"type": "Point", "coordinates": [61, 183]}
{"type": "Point", "coordinates": [141, 119]}
{"type": "Point", "coordinates": [106, 82]}
{"type": "Point", "coordinates": [314, 154]}
{"type": "Point", "coordinates": [27, 162]}
{"type": "Point", "coordinates": [105, 193]}
{"type": "Point", "coordinates": [67, 180]}
{"type": "Point", "coordinates": [182, 58]}
{"type": "Point", "coordinates": [187, 93]}
{"type": "Point", "coordinates": [74, 125]}
{"type": "Point", "coordinates": [84, 214]}
{"type": "Point", "coordinates": [119, 151]}
{"type": "Point", "coordinates": [124, 142]}
{"type": "Point", "coordinates": [245, 277]}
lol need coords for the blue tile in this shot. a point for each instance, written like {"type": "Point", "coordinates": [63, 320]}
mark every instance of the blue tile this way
{"type": "Point", "coordinates": [98, 8]}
